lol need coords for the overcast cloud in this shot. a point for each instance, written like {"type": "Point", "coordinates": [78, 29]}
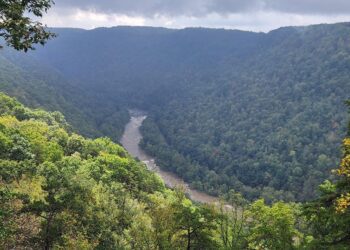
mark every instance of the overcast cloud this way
{"type": "Point", "coordinates": [257, 15]}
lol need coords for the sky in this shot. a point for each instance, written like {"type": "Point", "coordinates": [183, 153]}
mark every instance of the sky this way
{"type": "Point", "coordinates": [252, 15]}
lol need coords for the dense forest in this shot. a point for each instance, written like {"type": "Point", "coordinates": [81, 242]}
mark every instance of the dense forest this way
{"type": "Point", "coordinates": [59, 190]}
{"type": "Point", "coordinates": [260, 113]}
{"type": "Point", "coordinates": [39, 85]}
{"type": "Point", "coordinates": [272, 129]}
{"type": "Point", "coordinates": [256, 118]}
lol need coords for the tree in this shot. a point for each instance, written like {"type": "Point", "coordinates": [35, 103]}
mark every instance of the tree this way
{"type": "Point", "coordinates": [195, 224]}
{"type": "Point", "coordinates": [162, 212]}
{"type": "Point", "coordinates": [272, 227]}
{"type": "Point", "coordinates": [329, 216]}
{"type": "Point", "coordinates": [232, 221]}
{"type": "Point", "coordinates": [20, 31]}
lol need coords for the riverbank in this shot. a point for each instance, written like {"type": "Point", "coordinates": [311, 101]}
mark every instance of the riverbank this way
{"type": "Point", "coordinates": [130, 141]}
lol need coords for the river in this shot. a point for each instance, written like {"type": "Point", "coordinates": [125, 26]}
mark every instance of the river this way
{"type": "Point", "coordinates": [130, 141]}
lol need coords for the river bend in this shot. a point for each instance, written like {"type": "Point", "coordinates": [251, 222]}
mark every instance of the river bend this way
{"type": "Point", "coordinates": [130, 141]}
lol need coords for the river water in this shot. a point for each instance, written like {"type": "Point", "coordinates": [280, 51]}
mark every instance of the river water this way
{"type": "Point", "coordinates": [130, 141]}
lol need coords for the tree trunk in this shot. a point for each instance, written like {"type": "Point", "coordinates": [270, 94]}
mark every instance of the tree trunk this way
{"type": "Point", "coordinates": [188, 239]}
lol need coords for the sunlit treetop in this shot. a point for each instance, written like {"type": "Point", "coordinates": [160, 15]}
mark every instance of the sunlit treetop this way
{"type": "Point", "coordinates": [343, 202]}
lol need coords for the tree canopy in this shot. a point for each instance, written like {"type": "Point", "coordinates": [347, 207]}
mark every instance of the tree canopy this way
{"type": "Point", "coordinates": [260, 113]}
{"type": "Point", "coordinates": [61, 190]}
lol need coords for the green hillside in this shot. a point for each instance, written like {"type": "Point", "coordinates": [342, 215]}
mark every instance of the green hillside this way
{"type": "Point", "coordinates": [41, 86]}
{"type": "Point", "coordinates": [262, 113]}
{"type": "Point", "coordinates": [236, 139]}
{"type": "Point", "coordinates": [271, 127]}
{"type": "Point", "coordinates": [59, 190]}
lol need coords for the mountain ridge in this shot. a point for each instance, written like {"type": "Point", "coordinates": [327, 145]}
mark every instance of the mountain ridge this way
{"type": "Point", "coordinates": [259, 101]}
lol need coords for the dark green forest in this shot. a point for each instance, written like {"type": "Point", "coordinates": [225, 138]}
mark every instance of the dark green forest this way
{"type": "Point", "coordinates": [39, 85]}
{"type": "Point", "coordinates": [270, 128]}
{"type": "Point", "coordinates": [59, 190]}
{"type": "Point", "coordinates": [260, 113]}
{"type": "Point", "coordinates": [256, 119]}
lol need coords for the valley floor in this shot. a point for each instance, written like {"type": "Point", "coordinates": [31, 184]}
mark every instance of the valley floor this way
{"type": "Point", "coordinates": [131, 139]}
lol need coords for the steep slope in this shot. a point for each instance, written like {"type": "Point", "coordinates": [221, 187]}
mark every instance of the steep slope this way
{"type": "Point", "coordinates": [39, 85]}
{"type": "Point", "coordinates": [273, 124]}
{"type": "Point", "coordinates": [129, 64]}
{"type": "Point", "coordinates": [59, 190]}
{"type": "Point", "coordinates": [259, 113]}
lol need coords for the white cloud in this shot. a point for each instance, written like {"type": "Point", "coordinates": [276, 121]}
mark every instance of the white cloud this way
{"type": "Point", "coordinates": [151, 8]}
{"type": "Point", "coordinates": [89, 19]}
{"type": "Point", "coordinates": [254, 21]}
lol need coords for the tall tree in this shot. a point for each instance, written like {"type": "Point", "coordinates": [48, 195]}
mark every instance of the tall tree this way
{"type": "Point", "coordinates": [329, 216]}
{"type": "Point", "coordinates": [19, 30]}
{"type": "Point", "coordinates": [232, 221]}
{"type": "Point", "coordinates": [272, 227]}
{"type": "Point", "coordinates": [195, 224]}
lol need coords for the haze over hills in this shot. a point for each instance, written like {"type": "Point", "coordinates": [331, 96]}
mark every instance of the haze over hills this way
{"type": "Point", "coordinates": [39, 85]}
{"type": "Point", "coordinates": [262, 113]}
{"type": "Point", "coordinates": [154, 138]}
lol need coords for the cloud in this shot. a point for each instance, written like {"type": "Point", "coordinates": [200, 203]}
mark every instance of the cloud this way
{"type": "Point", "coordinates": [78, 18]}
{"type": "Point", "coordinates": [254, 15]}
{"type": "Point", "coordinates": [324, 7]}
{"type": "Point", "coordinates": [197, 8]}
{"type": "Point", "coordinates": [258, 21]}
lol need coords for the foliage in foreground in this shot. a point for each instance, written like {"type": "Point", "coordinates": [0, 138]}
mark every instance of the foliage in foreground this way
{"type": "Point", "coordinates": [59, 190]}
{"type": "Point", "coordinates": [329, 216]}
{"type": "Point", "coordinates": [17, 28]}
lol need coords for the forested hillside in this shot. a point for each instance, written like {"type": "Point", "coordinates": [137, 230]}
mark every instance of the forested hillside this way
{"type": "Point", "coordinates": [272, 127]}
{"type": "Point", "coordinates": [39, 85]}
{"type": "Point", "coordinates": [135, 65]}
{"type": "Point", "coordinates": [261, 113]}
{"type": "Point", "coordinates": [256, 119]}
{"type": "Point", "coordinates": [59, 190]}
